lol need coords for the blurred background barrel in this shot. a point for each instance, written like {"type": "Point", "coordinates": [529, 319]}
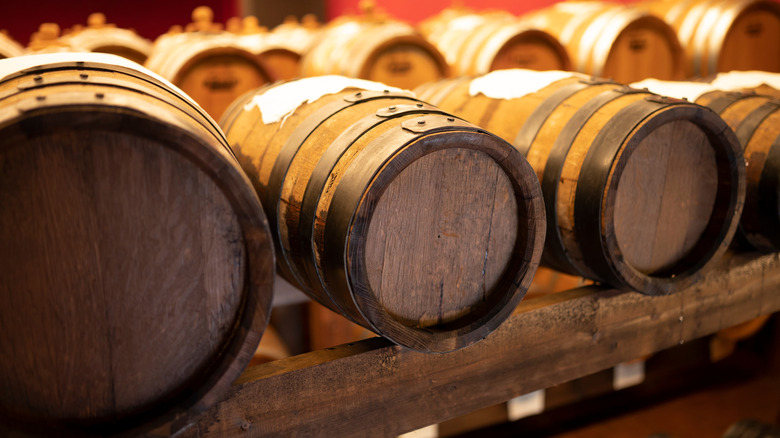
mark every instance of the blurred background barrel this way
{"type": "Point", "coordinates": [99, 36]}
{"type": "Point", "coordinates": [756, 120]}
{"type": "Point", "coordinates": [614, 41]}
{"type": "Point", "coordinates": [642, 192]}
{"type": "Point", "coordinates": [281, 56]}
{"type": "Point", "coordinates": [375, 47]}
{"type": "Point", "coordinates": [9, 47]}
{"type": "Point", "coordinates": [136, 268]}
{"type": "Point", "coordinates": [724, 35]}
{"type": "Point", "coordinates": [208, 63]}
{"type": "Point", "coordinates": [408, 221]}
{"type": "Point", "coordinates": [477, 43]}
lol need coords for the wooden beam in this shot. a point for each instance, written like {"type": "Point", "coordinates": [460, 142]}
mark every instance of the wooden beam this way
{"type": "Point", "coordinates": [373, 388]}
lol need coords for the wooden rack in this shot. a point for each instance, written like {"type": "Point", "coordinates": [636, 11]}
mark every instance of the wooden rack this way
{"type": "Point", "coordinates": [374, 388]}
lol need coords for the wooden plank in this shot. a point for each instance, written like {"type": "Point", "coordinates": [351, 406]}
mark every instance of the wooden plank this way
{"type": "Point", "coordinates": [372, 388]}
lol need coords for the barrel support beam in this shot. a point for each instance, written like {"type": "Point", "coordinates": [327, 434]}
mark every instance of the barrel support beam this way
{"type": "Point", "coordinates": [372, 388]}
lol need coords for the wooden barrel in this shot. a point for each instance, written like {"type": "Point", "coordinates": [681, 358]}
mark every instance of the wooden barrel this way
{"type": "Point", "coordinates": [724, 35]}
{"type": "Point", "coordinates": [479, 43]}
{"type": "Point", "coordinates": [99, 36]}
{"type": "Point", "coordinates": [756, 120]}
{"type": "Point", "coordinates": [8, 47]}
{"type": "Point", "coordinates": [642, 192]}
{"type": "Point", "coordinates": [282, 59]}
{"type": "Point", "coordinates": [375, 48]}
{"type": "Point", "coordinates": [299, 36]}
{"type": "Point", "coordinates": [208, 64]}
{"type": "Point", "coordinates": [410, 222]}
{"type": "Point", "coordinates": [136, 265]}
{"type": "Point", "coordinates": [614, 41]}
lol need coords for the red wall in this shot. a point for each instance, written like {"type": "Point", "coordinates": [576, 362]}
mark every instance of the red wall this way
{"type": "Point", "coordinates": [150, 18]}
{"type": "Point", "coordinates": [416, 11]}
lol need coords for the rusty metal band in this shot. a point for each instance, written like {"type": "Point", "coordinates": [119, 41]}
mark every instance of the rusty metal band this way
{"type": "Point", "coordinates": [530, 128]}
{"type": "Point", "coordinates": [728, 98]}
{"type": "Point", "coordinates": [555, 254]}
{"type": "Point", "coordinates": [749, 124]}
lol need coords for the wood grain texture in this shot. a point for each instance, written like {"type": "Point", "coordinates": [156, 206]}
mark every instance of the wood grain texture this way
{"type": "Point", "coordinates": [135, 282]}
{"type": "Point", "coordinates": [548, 341]}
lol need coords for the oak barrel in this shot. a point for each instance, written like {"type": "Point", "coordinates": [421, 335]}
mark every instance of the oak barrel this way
{"type": "Point", "coordinates": [136, 266]}
{"type": "Point", "coordinates": [408, 221]}
{"type": "Point", "coordinates": [756, 120]}
{"type": "Point", "coordinates": [208, 63]}
{"type": "Point", "coordinates": [724, 35]}
{"type": "Point", "coordinates": [280, 55]}
{"type": "Point", "coordinates": [376, 48]}
{"type": "Point", "coordinates": [475, 43]}
{"type": "Point", "coordinates": [103, 37]}
{"type": "Point", "coordinates": [752, 81]}
{"type": "Point", "coordinates": [612, 40]}
{"type": "Point", "coordinates": [642, 192]}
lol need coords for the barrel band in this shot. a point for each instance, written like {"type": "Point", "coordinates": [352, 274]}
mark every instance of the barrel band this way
{"type": "Point", "coordinates": [749, 124]}
{"type": "Point", "coordinates": [720, 104]}
{"type": "Point", "coordinates": [555, 254]}
{"type": "Point", "coordinates": [530, 129]}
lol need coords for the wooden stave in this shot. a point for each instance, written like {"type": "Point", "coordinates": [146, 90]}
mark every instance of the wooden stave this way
{"type": "Point", "coordinates": [336, 282]}
{"type": "Point", "coordinates": [191, 132]}
{"type": "Point", "coordinates": [456, 98]}
{"type": "Point", "coordinates": [121, 42]}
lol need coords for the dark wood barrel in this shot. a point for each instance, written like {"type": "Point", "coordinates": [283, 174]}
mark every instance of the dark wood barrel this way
{"type": "Point", "coordinates": [408, 221]}
{"type": "Point", "coordinates": [476, 43]}
{"type": "Point", "coordinates": [136, 266]}
{"type": "Point", "coordinates": [209, 64]}
{"type": "Point", "coordinates": [642, 192]}
{"type": "Point", "coordinates": [724, 35]}
{"type": "Point", "coordinates": [756, 120]}
{"type": "Point", "coordinates": [613, 41]}
{"type": "Point", "coordinates": [99, 36]}
{"type": "Point", "coordinates": [9, 47]}
{"type": "Point", "coordinates": [375, 48]}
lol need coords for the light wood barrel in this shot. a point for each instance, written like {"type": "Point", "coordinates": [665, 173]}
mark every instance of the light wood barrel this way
{"type": "Point", "coordinates": [755, 119]}
{"type": "Point", "coordinates": [642, 192]}
{"type": "Point", "coordinates": [408, 221]}
{"type": "Point", "coordinates": [479, 43]}
{"type": "Point", "coordinates": [724, 35]}
{"type": "Point", "coordinates": [614, 41]}
{"type": "Point", "coordinates": [279, 54]}
{"type": "Point", "coordinates": [385, 51]}
{"type": "Point", "coordinates": [9, 47]}
{"type": "Point", "coordinates": [209, 64]}
{"type": "Point", "coordinates": [136, 263]}
{"type": "Point", "coordinates": [102, 37]}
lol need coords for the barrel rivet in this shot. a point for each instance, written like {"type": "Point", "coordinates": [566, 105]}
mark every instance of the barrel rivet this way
{"type": "Point", "coordinates": [40, 98]}
{"type": "Point", "coordinates": [358, 94]}
{"type": "Point", "coordinates": [99, 95]}
{"type": "Point", "coordinates": [386, 91]}
{"type": "Point", "coordinates": [421, 122]}
{"type": "Point", "coordinates": [83, 75]}
{"type": "Point", "coordinates": [450, 119]}
{"type": "Point", "coordinates": [419, 105]}
{"type": "Point", "coordinates": [38, 78]}
{"type": "Point", "coordinates": [392, 108]}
